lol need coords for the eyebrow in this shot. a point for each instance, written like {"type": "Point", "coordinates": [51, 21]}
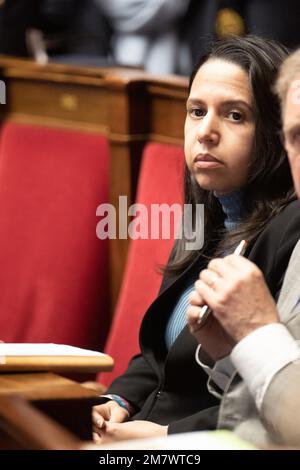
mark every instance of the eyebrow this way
{"type": "Point", "coordinates": [224, 103]}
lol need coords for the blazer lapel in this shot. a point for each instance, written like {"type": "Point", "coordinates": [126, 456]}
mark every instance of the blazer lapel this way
{"type": "Point", "coordinates": [290, 292]}
{"type": "Point", "coordinates": [152, 336]}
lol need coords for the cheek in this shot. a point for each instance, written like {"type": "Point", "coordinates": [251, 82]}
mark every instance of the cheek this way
{"type": "Point", "coordinates": [188, 144]}
{"type": "Point", "coordinates": [244, 151]}
{"type": "Point", "coordinates": [187, 153]}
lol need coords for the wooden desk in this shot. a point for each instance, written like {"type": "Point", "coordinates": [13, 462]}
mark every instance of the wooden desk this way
{"type": "Point", "coordinates": [65, 401]}
{"type": "Point", "coordinates": [74, 364]}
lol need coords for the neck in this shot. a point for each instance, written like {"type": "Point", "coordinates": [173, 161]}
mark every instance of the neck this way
{"type": "Point", "coordinates": [233, 205]}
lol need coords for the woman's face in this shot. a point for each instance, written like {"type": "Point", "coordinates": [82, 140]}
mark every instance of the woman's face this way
{"type": "Point", "coordinates": [219, 127]}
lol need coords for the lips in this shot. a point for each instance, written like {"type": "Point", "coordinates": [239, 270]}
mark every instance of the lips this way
{"type": "Point", "coordinates": [206, 157]}
{"type": "Point", "coordinates": [206, 161]}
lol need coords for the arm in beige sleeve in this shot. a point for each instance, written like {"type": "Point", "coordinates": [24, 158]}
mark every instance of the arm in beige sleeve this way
{"type": "Point", "coordinates": [281, 405]}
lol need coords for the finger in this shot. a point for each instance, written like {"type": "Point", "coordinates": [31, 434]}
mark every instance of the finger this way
{"type": "Point", "coordinates": [192, 314]}
{"type": "Point", "coordinates": [97, 429]}
{"type": "Point", "coordinates": [209, 295]}
{"type": "Point", "coordinates": [209, 277]}
{"type": "Point", "coordinates": [98, 420]}
{"type": "Point", "coordinates": [118, 415]}
{"type": "Point", "coordinates": [221, 267]}
{"type": "Point", "coordinates": [117, 432]}
{"type": "Point", "coordinates": [112, 429]}
{"type": "Point", "coordinates": [195, 298]}
{"type": "Point", "coordinates": [244, 270]}
{"type": "Point", "coordinates": [96, 438]}
{"type": "Point", "coordinates": [240, 263]}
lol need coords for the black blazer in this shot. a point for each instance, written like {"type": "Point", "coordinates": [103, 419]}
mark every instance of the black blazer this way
{"type": "Point", "coordinates": [170, 387]}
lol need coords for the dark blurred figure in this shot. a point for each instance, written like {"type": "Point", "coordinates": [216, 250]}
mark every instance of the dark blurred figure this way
{"type": "Point", "coordinates": [16, 17]}
{"type": "Point", "coordinates": [75, 30]}
{"type": "Point", "coordinates": [278, 19]}
{"type": "Point", "coordinates": [207, 19]}
{"type": "Point", "coordinates": [70, 30]}
{"type": "Point", "coordinates": [81, 30]}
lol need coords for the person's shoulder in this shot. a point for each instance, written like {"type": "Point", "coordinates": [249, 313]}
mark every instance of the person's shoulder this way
{"type": "Point", "coordinates": [282, 230]}
{"type": "Point", "coordinates": [291, 208]}
{"type": "Point", "coordinates": [287, 217]}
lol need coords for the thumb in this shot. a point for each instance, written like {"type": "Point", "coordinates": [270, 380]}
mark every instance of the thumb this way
{"type": "Point", "coordinates": [192, 314]}
{"type": "Point", "coordinates": [118, 414]}
{"type": "Point", "coordinates": [98, 419]}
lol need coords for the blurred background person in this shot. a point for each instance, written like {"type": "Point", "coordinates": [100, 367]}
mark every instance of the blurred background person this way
{"type": "Point", "coordinates": [75, 31]}
{"type": "Point", "coordinates": [146, 33]}
{"type": "Point", "coordinates": [161, 36]}
{"type": "Point", "coordinates": [208, 19]}
{"type": "Point", "coordinates": [55, 30]}
{"type": "Point", "coordinates": [16, 17]}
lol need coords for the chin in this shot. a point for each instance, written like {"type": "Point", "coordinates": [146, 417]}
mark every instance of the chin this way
{"type": "Point", "coordinates": [209, 184]}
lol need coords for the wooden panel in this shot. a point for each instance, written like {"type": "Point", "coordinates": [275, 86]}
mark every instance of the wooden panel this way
{"type": "Point", "coordinates": [24, 427]}
{"type": "Point", "coordinates": [63, 400]}
{"type": "Point", "coordinates": [167, 120]}
{"type": "Point", "coordinates": [42, 386]}
{"type": "Point", "coordinates": [57, 104]}
{"type": "Point", "coordinates": [168, 110]}
{"type": "Point", "coordinates": [124, 167]}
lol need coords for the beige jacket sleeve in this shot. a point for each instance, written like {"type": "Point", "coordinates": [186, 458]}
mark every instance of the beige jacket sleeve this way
{"type": "Point", "coordinates": [281, 406]}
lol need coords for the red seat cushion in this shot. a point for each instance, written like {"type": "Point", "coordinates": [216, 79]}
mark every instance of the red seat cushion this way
{"type": "Point", "coordinates": [54, 270]}
{"type": "Point", "coordinates": [160, 181]}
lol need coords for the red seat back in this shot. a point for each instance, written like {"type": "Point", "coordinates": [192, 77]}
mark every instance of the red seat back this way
{"type": "Point", "coordinates": [160, 181]}
{"type": "Point", "coordinates": [54, 270]}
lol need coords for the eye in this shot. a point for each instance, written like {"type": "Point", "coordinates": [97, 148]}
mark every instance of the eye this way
{"type": "Point", "coordinates": [197, 112]}
{"type": "Point", "coordinates": [295, 137]}
{"type": "Point", "coordinates": [293, 141]}
{"type": "Point", "coordinates": [236, 115]}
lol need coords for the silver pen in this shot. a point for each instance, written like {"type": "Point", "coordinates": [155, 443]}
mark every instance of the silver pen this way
{"type": "Point", "coordinates": [205, 310]}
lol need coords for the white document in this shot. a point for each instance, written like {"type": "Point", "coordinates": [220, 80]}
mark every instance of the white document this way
{"type": "Point", "coordinates": [44, 349]}
{"type": "Point", "coordinates": [198, 440]}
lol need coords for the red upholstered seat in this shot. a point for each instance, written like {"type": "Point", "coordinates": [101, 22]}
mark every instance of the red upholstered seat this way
{"type": "Point", "coordinates": [54, 270]}
{"type": "Point", "coordinates": [160, 181]}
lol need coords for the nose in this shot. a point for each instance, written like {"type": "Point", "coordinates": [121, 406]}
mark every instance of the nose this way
{"type": "Point", "coordinates": [208, 130]}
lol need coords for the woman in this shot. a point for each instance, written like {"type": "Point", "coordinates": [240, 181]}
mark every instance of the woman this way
{"type": "Point", "coordinates": [236, 166]}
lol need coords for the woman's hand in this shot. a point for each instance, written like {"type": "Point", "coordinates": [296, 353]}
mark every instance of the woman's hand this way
{"type": "Point", "coordinates": [108, 412]}
{"type": "Point", "coordinates": [112, 432]}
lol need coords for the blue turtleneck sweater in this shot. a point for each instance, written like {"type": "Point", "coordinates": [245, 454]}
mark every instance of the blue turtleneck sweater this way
{"type": "Point", "coordinates": [233, 207]}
